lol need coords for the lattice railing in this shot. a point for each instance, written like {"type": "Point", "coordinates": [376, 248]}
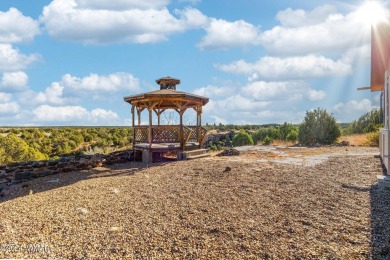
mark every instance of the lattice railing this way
{"type": "Point", "coordinates": [141, 134]}
{"type": "Point", "coordinates": [165, 134]}
{"type": "Point", "coordinates": [170, 134]}
{"type": "Point", "coordinates": [187, 133]}
{"type": "Point", "coordinates": [194, 134]}
{"type": "Point", "coordinates": [202, 135]}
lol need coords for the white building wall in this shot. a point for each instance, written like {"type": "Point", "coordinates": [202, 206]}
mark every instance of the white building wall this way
{"type": "Point", "coordinates": [384, 135]}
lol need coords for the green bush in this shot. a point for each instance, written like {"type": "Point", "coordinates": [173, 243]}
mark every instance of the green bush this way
{"type": "Point", "coordinates": [267, 140]}
{"type": "Point", "coordinates": [369, 122]}
{"type": "Point", "coordinates": [318, 127]}
{"type": "Point", "coordinates": [271, 132]}
{"type": "Point", "coordinates": [242, 138]}
{"type": "Point", "coordinates": [288, 132]}
{"type": "Point", "coordinates": [292, 136]}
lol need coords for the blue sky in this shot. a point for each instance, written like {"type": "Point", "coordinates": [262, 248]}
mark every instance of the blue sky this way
{"type": "Point", "coordinates": [71, 62]}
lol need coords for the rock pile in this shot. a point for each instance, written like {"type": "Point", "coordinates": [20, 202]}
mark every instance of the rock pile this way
{"type": "Point", "coordinates": [18, 172]}
{"type": "Point", "coordinates": [229, 152]}
{"type": "Point", "coordinates": [219, 140]}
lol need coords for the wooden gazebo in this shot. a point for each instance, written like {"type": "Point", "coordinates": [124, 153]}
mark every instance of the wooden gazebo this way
{"type": "Point", "coordinates": [153, 140]}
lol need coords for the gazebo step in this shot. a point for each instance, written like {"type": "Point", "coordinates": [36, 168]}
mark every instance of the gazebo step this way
{"type": "Point", "coordinates": [198, 156]}
{"type": "Point", "coordinates": [194, 152]}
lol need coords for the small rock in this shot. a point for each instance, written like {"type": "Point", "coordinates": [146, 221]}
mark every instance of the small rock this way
{"type": "Point", "coordinates": [83, 211]}
{"type": "Point", "coordinates": [54, 181]}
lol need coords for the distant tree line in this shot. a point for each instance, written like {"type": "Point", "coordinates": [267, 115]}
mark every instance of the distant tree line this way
{"type": "Point", "coordinates": [318, 127]}
{"type": "Point", "coordinates": [23, 144]}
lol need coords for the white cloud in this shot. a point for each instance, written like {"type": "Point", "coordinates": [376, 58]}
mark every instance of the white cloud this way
{"type": "Point", "coordinates": [260, 102]}
{"type": "Point", "coordinates": [192, 18]}
{"type": "Point", "coordinates": [6, 105]}
{"type": "Point", "coordinates": [321, 30]}
{"type": "Point", "coordinates": [236, 104]}
{"type": "Point", "coordinates": [5, 97]}
{"type": "Point", "coordinates": [74, 115]}
{"type": "Point", "coordinates": [16, 28]}
{"type": "Point", "coordinates": [361, 53]}
{"type": "Point", "coordinates": [315, 95]}
{"type": "Point", "coordinates": [351, 110]}
{"type": "Point", "coordinates": [9, 108]}
{"type": "Point", "coordinates": [217, 120]}
{"type": "Point", "coordinates": [12, 60]}
{"type": "Point", "coordinates": [299, 17]}
{"type": "Point", "coordinates": [284, 91]}
{"type": "Point", "coordinates": [214, 91]}
{"type": "Point", "coordinates": [102, 83]}
{"type": "Point", "coordinates": [71, 89]}
{"type": "Point", "coordinates": [362, 106]}
{"type": "Point", "coordinates": [309, 66]}
{"type": "Point", "coordinates": [51, 95]}
{"type": "Point", "coordinates": [99, 22]}
{"type": "Point", "coordinates": [224, 35]}
{"type": "Point", "coordinates": [121, 4]}
{"type": "Point", "coordinates": [14, 81]}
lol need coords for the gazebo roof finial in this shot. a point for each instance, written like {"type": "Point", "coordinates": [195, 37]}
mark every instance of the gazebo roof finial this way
{"type": "Point", "coordinates": [168, 82]}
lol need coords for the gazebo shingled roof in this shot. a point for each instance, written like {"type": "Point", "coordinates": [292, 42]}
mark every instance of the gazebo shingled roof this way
{"type": "Point", "coordinates": [166, 96]}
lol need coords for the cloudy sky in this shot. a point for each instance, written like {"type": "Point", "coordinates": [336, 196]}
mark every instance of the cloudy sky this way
{"type": "Point", "coordinates": [71, 62]}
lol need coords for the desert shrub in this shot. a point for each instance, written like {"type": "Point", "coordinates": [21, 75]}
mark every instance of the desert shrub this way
{"type": "Point", "coordinates": [292, 136]}
{"type": "Point", "coordinates": [373, 139]}
{"type": "Point", "coordinates": [14, 149]}
{"type": "Point", "coordinates": [367, 123]}
{"type": "Point", "coordinates": [288, 129]}
{"type": "Point", "coordinates": [242, 138]}
{"type": "Point", "coordinates": [267, 140]}
{"type": "Point", "coordinates": [271, 132]}
{"type": "Point", "coordinates": [318, 127]}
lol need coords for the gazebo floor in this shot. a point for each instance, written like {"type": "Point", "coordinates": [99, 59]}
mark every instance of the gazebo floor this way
{"type": "Point", "coordinates": [166, 146]}
{"type": "Point", "coordinates": [154, 153]}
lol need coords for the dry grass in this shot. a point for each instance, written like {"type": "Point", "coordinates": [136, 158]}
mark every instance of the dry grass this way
{"type": "Point", "coordinates": [199, 209]}
{"type": "Point", "coordinates": [356, 139]}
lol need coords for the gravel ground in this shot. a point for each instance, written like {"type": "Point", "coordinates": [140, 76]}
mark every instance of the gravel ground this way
{"type": "Point", "coordinates": [218, 207]}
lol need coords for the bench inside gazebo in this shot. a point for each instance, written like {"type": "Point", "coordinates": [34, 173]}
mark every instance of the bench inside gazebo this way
{"type": "Point", "coordinates": [153, 140]}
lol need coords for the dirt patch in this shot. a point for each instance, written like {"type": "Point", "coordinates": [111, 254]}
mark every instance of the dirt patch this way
{"type": "Point", "coordinates": [199, 209]}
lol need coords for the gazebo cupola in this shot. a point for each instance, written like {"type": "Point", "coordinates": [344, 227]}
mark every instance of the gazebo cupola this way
{"type": "Point", "coordinates": [168, 83]}
{"type": "Point", "coordinates": [153, 139]}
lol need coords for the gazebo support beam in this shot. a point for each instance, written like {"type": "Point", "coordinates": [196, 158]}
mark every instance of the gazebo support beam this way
{"type": "Point", "coordinates": [158, 113]}
{"type": "Point", "coordinates": [139, 111]}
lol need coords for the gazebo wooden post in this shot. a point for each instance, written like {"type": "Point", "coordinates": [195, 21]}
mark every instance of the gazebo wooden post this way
{"type": "Point", "coordinates": [150, 127]}
{"type": "Point", "coordinates": [181, 129]}
{"type": "Point", "coordinates": [133, 123]}
{"type": "Point", "coordinates": [158, 113]}
{"type": "Point", "coordinates": [198, 122]}
{"type": "Point", "coordinates": [200, 116]}
{"type": "Point", "coordinates": [139, 111]}
{"type": "Point", "coordinates": [132, 115]}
